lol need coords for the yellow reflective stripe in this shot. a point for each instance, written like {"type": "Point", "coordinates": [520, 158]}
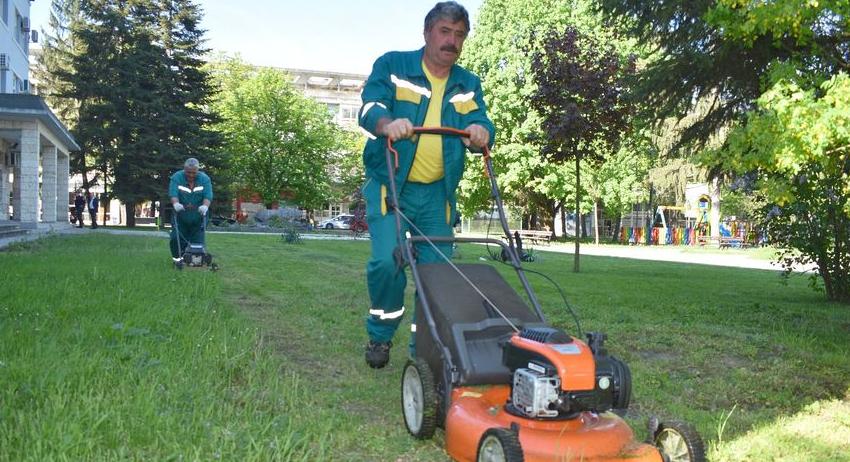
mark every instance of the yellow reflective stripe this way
{"type": "Point", "coordinates": [383, 200]}
{"type": "Point", "coordinates": [198, 188]}
{"type": "Point", "coordinates": [448, 213]}
{"type": "Point", "coordinates": [406, 94]}
{"type": "Point", "coordinates": [401, 83]}
{"type": "Point", "coordinates": [465, 107]}
{"type": "Point", "coordinates": [184, 189]}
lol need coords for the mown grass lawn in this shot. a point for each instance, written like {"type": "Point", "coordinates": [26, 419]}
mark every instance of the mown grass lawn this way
{"type": "Point", "coordinates": [107, 353]}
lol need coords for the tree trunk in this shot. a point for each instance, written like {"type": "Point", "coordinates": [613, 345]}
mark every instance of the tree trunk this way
{"type": "Point", "coordinates": [650, 216]}
{"type": "Point", "coordinates": [555, 208]}
{"type": "Point", "coordinates": [596, 221]}
{"type": "Point", "coordinates": [161, 220]}
{"type": "Point", "coordinates": [615, 237]}
{"type": "Point", "coordinates": [576, 257]}
{"type": "Point", "coordinates": [130, 211]}
{"type": "Point", "coordinates": [104, 201]}
{"type": "Point", "coordinates": [564, 217]}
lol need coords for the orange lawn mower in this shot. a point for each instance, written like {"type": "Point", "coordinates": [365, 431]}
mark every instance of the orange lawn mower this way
{"type": "Point", "coordinates": [504, 384]}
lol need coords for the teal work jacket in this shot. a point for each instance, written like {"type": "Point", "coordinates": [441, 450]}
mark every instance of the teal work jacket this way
{"type": "Point", "coordinates": [398, 88]}
{"type": "Point", "coordinates": [178, 187]}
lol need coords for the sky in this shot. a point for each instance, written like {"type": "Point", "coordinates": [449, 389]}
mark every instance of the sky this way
{"type": "Point", "coordinates": [325, 35]}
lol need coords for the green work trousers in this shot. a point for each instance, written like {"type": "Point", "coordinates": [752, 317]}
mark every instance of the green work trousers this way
{"type": "Point", "coordinates": [427, 207]}
{"type": "Point", "coordinates": [189, 229]}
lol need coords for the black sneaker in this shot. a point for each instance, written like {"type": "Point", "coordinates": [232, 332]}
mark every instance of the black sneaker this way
{"type": "Point", "coordinates": [378, 354]}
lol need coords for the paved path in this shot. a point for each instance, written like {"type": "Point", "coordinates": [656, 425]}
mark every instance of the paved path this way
{"type": "Point", "coordinates": [732, 258]}
{"type": "Point", "coordinates": [669, 253]}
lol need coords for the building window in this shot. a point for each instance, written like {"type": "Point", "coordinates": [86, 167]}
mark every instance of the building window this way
{"type": "Point", "coordinates": [349, 114]}
{"type": "Point", "coordinates": [333, 109]}
{"type": "Point", "coordinates": [17, 83]}
{"type": "Point", "coordinates": [5, 13]}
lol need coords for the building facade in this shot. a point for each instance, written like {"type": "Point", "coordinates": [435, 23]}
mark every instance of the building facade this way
{"type": "Point", "coordinates": [34, 145]}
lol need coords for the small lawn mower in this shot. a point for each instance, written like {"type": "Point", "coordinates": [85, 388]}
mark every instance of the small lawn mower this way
{"type": "Point", "coordinates": [195, 254]}
{"type": "Point", "coordinates": [503, 383]}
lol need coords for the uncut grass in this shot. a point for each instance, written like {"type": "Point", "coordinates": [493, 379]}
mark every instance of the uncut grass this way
{"type": "Point", "coordinates": [736, 352]}
{"type": "Point", "coordinates": [729, 350]}
{"type": "Point", "coordinates": [107, 353]}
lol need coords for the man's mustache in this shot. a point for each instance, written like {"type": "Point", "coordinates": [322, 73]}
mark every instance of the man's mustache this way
{"type": "Point", "coordinates": [451, 48]}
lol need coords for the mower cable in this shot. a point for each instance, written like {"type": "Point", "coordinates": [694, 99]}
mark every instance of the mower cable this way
{"type": "Point", "coordinates": [448, 260]}
{"type": "Point", "coordinates": [569, 307]}
{"type": "Point", "coordinates": [563, 297]}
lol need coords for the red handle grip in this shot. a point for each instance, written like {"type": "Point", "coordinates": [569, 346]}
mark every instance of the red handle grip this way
{"type": "Point", "coordinates": [436, 131]}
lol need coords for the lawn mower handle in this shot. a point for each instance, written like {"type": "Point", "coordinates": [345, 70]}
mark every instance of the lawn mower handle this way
{"type": "Point", "coordinates": [437, 131]}
{"type": "Point", "coordinates": [392, 167]}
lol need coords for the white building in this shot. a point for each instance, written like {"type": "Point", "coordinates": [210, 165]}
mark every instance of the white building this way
{"type": "Point", "coordinates": [34, 145]}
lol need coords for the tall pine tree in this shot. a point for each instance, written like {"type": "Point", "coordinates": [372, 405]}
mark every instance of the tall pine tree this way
{"type": "Point", "coordinates": [135, 73]}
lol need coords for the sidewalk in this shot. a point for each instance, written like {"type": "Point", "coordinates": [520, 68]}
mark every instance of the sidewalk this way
{"type": "Point", "coordinates": [677, 254]}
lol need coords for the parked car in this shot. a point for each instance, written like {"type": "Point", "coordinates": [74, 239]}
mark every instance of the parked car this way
{"type": "Point", "coordinates": [341, 221]}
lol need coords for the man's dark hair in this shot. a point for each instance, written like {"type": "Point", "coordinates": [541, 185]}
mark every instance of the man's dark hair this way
{"type": "Point", "coordinates": [452, 11]}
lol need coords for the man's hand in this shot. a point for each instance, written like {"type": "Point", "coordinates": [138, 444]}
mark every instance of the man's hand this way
{"type": "Point", "coordinates": [203, 209]}
{"type": "Point", "coordinates": [396, 129]}
{"type": "Point", "coordinates": [478, 136]}
{"type": "Point", "coordinates": [178, 207]}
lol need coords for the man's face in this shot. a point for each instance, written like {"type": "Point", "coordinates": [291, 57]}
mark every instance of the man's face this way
{"type": "Point", "coordinates": [190, 173]}
{"type": "Point", "coordinates": [444, 41]}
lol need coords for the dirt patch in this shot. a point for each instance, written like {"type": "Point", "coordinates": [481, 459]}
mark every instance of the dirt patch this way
{"type": "Point", "coordinates": [659, 355]}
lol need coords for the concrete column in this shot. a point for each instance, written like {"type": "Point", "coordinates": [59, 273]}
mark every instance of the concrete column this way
{"type": "Point", "coordinates": [48, 184]}
{"type": "Point", "coordinates": [63, 168]}
{"type": "Point", "coordinates": [28, 179]}
{"type": "Point", "coordinates": [16, 188]}
{"type": "Point", "coordinates": [4, 189]}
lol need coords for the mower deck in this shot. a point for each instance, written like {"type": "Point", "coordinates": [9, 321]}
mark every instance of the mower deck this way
{"type": "Point", "coordinates": [588, 437]}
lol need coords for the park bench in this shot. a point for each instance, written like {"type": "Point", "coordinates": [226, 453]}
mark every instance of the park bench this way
{"type": "Point", "coordinates": [535, 237]}
{"type": "Point", "coordinates": [705, 240]}
{"type": "Point", "coordinates": [731, 241]}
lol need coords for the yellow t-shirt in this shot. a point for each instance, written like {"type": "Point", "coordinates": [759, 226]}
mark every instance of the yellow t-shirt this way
{"type": "Point", "coordinates": [428, 161]}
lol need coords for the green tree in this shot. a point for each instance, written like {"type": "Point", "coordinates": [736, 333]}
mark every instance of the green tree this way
{"type": "Point", "coordinates": [498, 52]}
{"type": "Point", "coordinates": [54, 65]}
{"type": "Point", "coordinates": [580, 84]}
{"type": "Point", "coordinates": [506, 35]}
{"type": "Point", "coordinates": [279, 140]}
{"type": "Point", "coordinates": [621, 180]}
{"type": "Point", "coordinates": [797, 146]}
{"type": "Point", "coordinates": [718, 51]}
{"type": "Point", "coordinates": [132, 68]}
{"type": "Point", "coordinates": [57, 50]}
{"type": "Point", "coordinates": [186, 128]}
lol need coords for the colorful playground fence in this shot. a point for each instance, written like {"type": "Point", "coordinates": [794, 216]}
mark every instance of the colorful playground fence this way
{"type": "Point", "coordinates": [662, 236]}
{"type": "Point", "coordinates": [684, 236]}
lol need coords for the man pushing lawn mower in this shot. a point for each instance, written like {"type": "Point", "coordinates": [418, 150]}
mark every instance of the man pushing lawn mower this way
{"type": "Point", "coordinates": [422, 88]}
{"type": "Point", "coordinates": [191, 193]}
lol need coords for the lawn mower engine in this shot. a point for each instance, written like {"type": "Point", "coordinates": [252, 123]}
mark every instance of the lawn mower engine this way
{"type": "Point", "coordinates": [196, 255]}
{"type": "Point", "coordinates": [558, 377]}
